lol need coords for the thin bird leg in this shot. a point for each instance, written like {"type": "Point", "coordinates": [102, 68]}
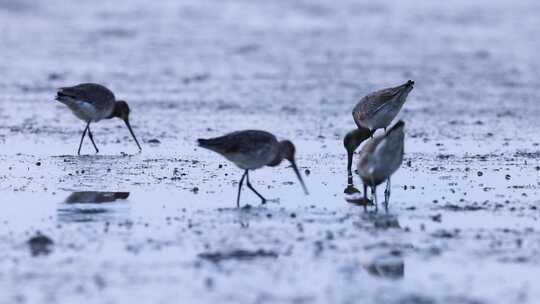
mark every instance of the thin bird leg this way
{"type": "Point", "coordinates": [92, 138]}
{"type": "Point", "coordinates": [253, 189]}
{"type": "Point", "coordinates": [365, 193]}
{"type": "Point", "coordinates": [240, 189]}
{"type": "Point", "coordinates": [387, 192]}
{"type": "Point", "coordinates": [350, 180]}
{"type": "Point", "coordinates": [374, 195]}
{"type": "Point", "coordinates": [349, 168]}
{"type": "Point", "coordinates": [82, 138]}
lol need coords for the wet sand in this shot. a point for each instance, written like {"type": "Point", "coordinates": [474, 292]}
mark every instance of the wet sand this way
{"type": "Point", "coordinates": [463, 220]}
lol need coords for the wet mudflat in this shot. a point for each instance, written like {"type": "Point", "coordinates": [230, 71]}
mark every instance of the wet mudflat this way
{"type": "Point", "coordinates": [160, 226]}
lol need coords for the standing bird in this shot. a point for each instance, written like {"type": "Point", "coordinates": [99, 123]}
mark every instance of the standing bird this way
{"type": "Point", "coordinates": [380, 158]}
{"type": "Point", "coordinates": [374, 111]}
{"type": "Point", "coordinates": [378, 109]}
{"type": "Point", "coordinates": [250, 150]}
{"type": "Point", "coordinates": [92, 102]}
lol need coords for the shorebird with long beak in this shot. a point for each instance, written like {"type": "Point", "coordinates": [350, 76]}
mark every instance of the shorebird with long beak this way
{"type": "Point", "coordinates": [92, 102]}
{"type": "Point", "coordinates": [253, 149]}
{"type": "Point", "coordinates": [351, 142]}
{"type": "Point", "coordinates": [380, 158]}
{"type": "Point", "coordinates": [378, 109]}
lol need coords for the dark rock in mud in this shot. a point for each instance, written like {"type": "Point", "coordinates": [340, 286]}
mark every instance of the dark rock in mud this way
{"type": "Point", "coordinates": [445, 234]}
{"type": "Point", "coordinates": [247, 207]}
{"type": "Point", "coordinates": [238, 255]}
{"type": "Point", "coordinates": [40, 245]}
{"type": "Point", "coordinates": [436, 218]}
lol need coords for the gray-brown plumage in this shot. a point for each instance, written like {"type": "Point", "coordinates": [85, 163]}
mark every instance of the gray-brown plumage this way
{"type": "Point", "coordinates": [92, 102]}
{"type": "Point", "coordinates": [378, 109]}
{"type": "Point", "coordinates": [381, 157]}
{"type": "Point", "coordinates": [253, 149]}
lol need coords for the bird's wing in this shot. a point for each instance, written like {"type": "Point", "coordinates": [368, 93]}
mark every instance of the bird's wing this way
{"type": "Point", "coordinates": [374, 102]}
{"type": "Point", "coordinates": [389, 153]}
{"type": "Point", "coordinates": [237, 142]}
{"type": "Point", "coordinates": [94, 94]}
{"type": "Point", "coordinates": [222, 144]}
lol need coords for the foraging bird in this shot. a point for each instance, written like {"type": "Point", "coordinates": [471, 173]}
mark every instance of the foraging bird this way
{"type": "Point", "coordinates": [351, 142]}
{"type": "Point", "coordinates": [253, 149]}
{"type": "Point", "coordinates": [378, 109]}
{"type": "Point", "coordinates": [92, 102]}
{"type": "Point", "coordinates": [380, 158]}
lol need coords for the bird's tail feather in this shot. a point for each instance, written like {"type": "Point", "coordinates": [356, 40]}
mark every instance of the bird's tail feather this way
{"type": "Point", "coordinates": [214, 144]}
{"type": "Point", "coordinates": [205, 143]}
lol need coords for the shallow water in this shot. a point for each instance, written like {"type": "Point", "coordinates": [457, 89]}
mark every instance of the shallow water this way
{"type": "Point", "coordinates": [463, 215]}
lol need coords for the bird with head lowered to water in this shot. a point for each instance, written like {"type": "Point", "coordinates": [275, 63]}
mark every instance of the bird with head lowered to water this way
{"type": "Point", "coordinates": [380, 158]}
{"type": "Point", "coordinates": [253, 149]}
{"type": "Point", "coordinates": [374, 111]}
{"type": "Point", "coordinates": [92, 102]}
{"type": "Point", "coordinates": [378, 109]}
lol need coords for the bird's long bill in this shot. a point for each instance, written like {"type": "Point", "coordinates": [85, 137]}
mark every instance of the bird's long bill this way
{"type": "Point", "coordinates": [295, 168]}
{"type": "Point", "coordinates": [132, 134]}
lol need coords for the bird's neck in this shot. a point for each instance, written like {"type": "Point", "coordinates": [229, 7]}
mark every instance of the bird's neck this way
{"type": "Point", "coordinates": [277, 160]}
{"type": "Point", "coordinates": [115, 113]}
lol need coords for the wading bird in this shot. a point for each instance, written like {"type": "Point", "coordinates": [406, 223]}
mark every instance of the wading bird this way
{"type": "Point", "coordinates": [380, 158]}
{"type": "Point", "coordinates": [351, 142]}
{"type": "Point", "coordinates": [372, 112]}
{"type": "Point", "coordinates": [92, 102]}
{"type": "Point", "coordinates": [378, 109]}
{"type": "Point", "coordinates": [253, 149]}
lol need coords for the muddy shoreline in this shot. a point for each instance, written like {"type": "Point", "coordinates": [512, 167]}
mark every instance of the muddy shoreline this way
{"type": "Point", "coordinates": [463, 216]}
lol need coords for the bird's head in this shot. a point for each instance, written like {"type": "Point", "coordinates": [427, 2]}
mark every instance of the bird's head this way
{"type": "Point", "coordinates": [354, 138]}
{"type": "Point", "coordinates": [288, 151]}
{"type": "Point", "coordinates": [121, 110]}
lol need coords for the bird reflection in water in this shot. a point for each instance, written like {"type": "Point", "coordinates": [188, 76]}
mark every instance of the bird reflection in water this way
{"type": "Point", "coordinates": [92, 206]}
{"type": "Point", "coordinates": [387, 266]}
